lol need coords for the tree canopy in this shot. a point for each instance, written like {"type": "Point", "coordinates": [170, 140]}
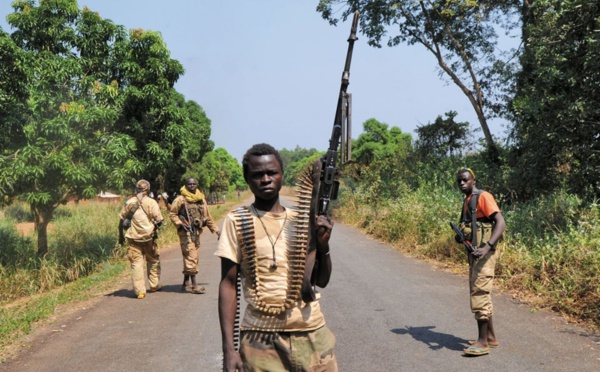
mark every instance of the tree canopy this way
{"type": "Point", "coordinates": [461, 36]}
{"type": "Point", "coordinates": [87, 106]}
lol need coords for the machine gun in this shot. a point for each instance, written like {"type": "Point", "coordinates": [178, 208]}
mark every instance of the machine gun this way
{"type": "Point", "coordinates": [325, 173]}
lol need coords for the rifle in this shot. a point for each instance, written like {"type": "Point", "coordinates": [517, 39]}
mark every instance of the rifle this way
{"type": "Point", "coordinates": [325, 173]}
{"type": "Point", "coordinates": [461, 238]}
{"type": "Point", "coordinates": [190, 227]}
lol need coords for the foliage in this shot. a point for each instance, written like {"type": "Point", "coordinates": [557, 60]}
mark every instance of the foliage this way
{"type": "Point", "coordinates": [86, 107]}
{"type": "Point", "coordinates": [461, 35]}
{"type": "Point", "coordinates": [218, 172]}
{"type": "Point", "coordinates": [380, 158]}
{"type": "Point", "coordinates": [18, 212]}
{"type": "Point", "coordinates": [443, 138]}
{"type": "Point", "coordinates": [551, 247]}
{"type": "Point", "coordinates": [557, 128]}
{"type": "Point", "coordinates": [294, 162]}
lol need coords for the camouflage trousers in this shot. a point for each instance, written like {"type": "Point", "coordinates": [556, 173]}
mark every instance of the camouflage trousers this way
{"type": "Point", "coordinates": [310, 351]}
{"type": "Point", "coordinates": [481, 278]}
{"type": "Point", "coordinates": [136, 253]}
{"type": "Point", "coordinates": [190, 246]}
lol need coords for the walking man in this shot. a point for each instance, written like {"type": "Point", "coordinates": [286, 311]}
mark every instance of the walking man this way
{"type": "Point", "coordinates": [189, 213]}
{"type": "Point", "coordinates": [141, 217]}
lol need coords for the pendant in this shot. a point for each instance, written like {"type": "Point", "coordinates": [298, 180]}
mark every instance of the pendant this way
{"type": "Point", "coordinates": [274, 265]}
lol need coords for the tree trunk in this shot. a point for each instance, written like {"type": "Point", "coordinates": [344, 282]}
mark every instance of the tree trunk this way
{"type": "Point", "coordinates": [42, 215]}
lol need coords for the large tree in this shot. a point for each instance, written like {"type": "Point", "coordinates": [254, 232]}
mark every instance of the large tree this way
{"type": "Point", "coordinates": [460, 34]}
{"type": "Point", "coordinates": [557, 130]}
{"type": "Point", "coordinates": [100, 108]}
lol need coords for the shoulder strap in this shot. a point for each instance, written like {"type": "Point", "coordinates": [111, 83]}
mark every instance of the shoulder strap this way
{"type": "Point", "coordinates": [473, 208]}
{"type": "Point", "coordinates": [143, 210]}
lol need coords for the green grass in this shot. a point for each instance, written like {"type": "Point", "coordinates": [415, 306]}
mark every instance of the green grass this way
{"type": "Point", "coordinates": [550, 255]}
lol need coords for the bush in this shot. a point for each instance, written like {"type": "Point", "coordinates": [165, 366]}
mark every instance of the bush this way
{"type": "Point", "coordinates": [19, 212]}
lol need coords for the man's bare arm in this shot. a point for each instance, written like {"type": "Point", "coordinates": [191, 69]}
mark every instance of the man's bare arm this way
{"type": "Point", "coordinates": [227, 309]}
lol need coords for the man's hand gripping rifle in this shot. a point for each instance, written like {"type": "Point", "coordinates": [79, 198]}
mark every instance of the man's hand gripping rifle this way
{"type": "Point", "coordinates": [325, 172]}
{"type": "Point", "coordinates": [461, 238]}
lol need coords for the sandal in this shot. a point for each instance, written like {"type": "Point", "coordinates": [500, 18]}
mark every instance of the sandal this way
{"type": "Point", "coordinates": [476, 351]}
{"type": "Point", "coordinates": [199, 290]}
{"type": "Point", "coordinates": [491, 344]}
{"type": "Point", "coordinates": [185, 288]}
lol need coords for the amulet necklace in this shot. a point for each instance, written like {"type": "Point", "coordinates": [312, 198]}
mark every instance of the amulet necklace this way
{"type": "Point", "coordinates": [274, 264]}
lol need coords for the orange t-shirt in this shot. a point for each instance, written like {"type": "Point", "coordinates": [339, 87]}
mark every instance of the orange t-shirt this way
{"type": "Point", "coordinates": [486, 205]}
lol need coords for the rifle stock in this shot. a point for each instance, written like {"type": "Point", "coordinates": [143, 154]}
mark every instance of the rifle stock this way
{"type": "Point", "coordinates": [325, 173]}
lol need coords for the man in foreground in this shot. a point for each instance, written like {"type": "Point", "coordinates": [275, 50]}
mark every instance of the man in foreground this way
{"type": "Point", "coordinates": [483, 225]}
{"type": "Point", "coordinates": [141, 217]}
{"type": "Point", "coordinates": [279, 332]}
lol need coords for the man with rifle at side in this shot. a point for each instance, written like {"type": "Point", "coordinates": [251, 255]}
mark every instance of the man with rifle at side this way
{"type": "Point", "coordinates": [189, 213]}
{"type": "Point", "coordinates": [481, 228]}
{"type": "Point", "coordinates": [141, 217]}
{"type": "Point", "coordinates": [280, 255]}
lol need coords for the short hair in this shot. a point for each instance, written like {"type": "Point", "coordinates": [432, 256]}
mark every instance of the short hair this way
{"type": "Point", "coordinates": [466, 170]}
{"type": "Point", "coordinates": [258, 150]}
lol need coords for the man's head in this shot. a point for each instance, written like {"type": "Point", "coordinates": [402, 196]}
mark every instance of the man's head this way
{"type": "Point", "coordinates": [142, 186]}
{"type": "Point", "coordinates": [191, 184]}
{"type": "Point", "coordinates": [263, 171]}
{"type": "Point", "coordinates": [465, 179]}
{"type": "Point", "coordinates": [259, 150]}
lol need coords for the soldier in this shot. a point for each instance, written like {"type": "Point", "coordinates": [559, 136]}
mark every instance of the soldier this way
{"type": "Point", "coordinates": [279, 332]}
{"type": "Point", "coordinates": [489, 226]}
{"type": "Point", "coordinates": [141, 217]}
{"type": "Point", "coordinates": [189, 213]}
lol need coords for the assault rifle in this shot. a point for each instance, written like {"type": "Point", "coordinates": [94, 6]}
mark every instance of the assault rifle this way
{"type": "Point", "coordinates": [325, 173]}
{"type": "Point", "coordinates": [461, 238]}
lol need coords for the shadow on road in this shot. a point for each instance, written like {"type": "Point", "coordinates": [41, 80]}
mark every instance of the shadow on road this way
{"type": "Point", "coordinates": [434, 340]}
{"type": "Point", "coordinates": [121, 293]}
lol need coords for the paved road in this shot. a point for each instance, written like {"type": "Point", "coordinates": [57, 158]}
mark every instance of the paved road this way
{"type": "Point", "coordinates": [389, 313]}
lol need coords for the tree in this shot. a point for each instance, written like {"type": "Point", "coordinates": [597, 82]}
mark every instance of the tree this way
{"type": "Point", "coordinates": [443, 138]}
{"type": "Point", "coordinates": [294, 161]}
{"type": "Point", "coordinates": [460, 34]}
{"type": "Point", "coordinates": [377, 143]}
{"type": "Point", "coordinates": [557, 130]}
{"type": "Point", "coordinates": [380, 157]}
{"type": "Point", "coordinates": [100, 108]}
{"type": "Point", "coordinates": [13, 92]}
{"type": "Point", "coordinates": [218, 172]}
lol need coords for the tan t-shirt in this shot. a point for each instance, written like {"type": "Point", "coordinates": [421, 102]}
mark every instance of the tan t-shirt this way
{"type": "Point", "coordinates": [142, 223]}
{"type": "Point", "coordinates": [273, 281]}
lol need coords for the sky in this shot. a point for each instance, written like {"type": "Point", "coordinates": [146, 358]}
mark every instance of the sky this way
{"type": "Point", "coordinates": [270, 70]}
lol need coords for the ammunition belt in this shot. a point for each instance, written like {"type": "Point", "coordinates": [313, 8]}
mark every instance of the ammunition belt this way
{"type": "Point", "coordinates": [296, 256]}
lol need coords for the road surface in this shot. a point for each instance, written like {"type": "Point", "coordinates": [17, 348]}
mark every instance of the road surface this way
{"type": "Point", "coordinates": [389, 312]}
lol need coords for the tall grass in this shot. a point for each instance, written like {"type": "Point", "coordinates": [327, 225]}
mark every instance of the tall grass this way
{"type": "Point", "coordinates": [551, 250]}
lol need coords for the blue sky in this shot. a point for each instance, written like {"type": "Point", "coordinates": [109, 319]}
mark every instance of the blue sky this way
{"type": "Point", "coordinates": [270, 70]}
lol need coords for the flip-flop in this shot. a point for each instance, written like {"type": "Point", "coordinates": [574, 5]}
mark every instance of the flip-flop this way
{"type": "Point", "coordinates": [491, 344]}
{"type": "Point", "coordinates": [199, 290]}
{"type": "Point", "coordinates": [476, 351]}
